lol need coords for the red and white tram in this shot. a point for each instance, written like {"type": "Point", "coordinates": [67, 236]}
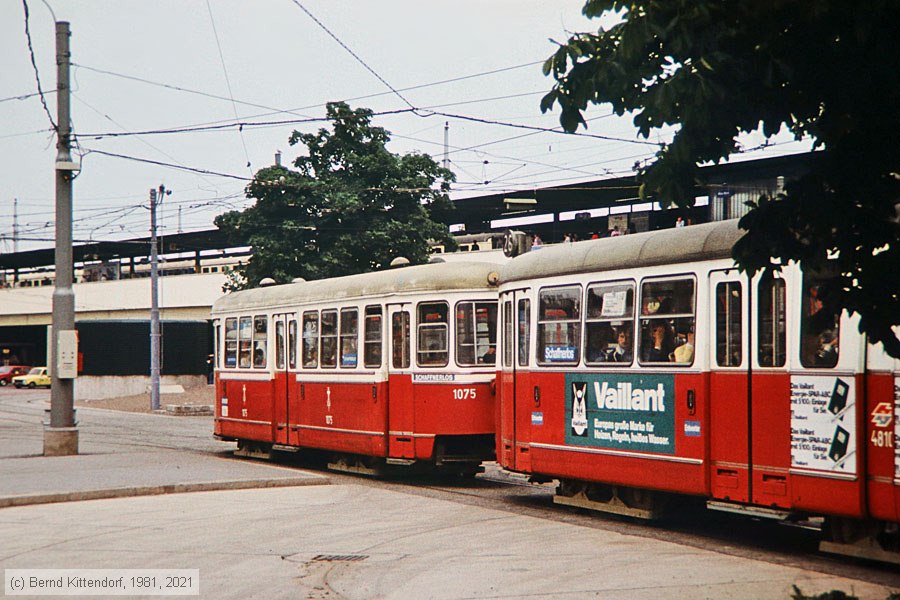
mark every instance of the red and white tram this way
{"type": "Point", "coordinates": [640, 367]}
{"type": "Point", "coordinates": [393, 367]}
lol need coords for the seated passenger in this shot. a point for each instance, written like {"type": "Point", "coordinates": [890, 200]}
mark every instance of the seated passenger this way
{"type": "Point", "coordinates": [596, 351]}
{"type": "Point", "coordinates": [490, 357]}
{"type": "Point", "coordinates": [622, 350]}
{"type": "Point", "coordinates": [827, 352]}
{"type": "Point", "coordinates": [661, 345]}
{"type": "Point", "coordinates": [685, 352]}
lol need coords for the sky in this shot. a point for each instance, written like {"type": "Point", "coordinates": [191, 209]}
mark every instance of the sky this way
{"type": "Point", "coordinates": [144, 67]}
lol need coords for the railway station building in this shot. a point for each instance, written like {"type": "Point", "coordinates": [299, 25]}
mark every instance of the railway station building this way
{"type": "Point", "coordinates": [112, 289]}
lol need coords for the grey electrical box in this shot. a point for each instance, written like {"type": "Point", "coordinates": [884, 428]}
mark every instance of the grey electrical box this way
{"type": "Point", "coordinates": [67, 355]}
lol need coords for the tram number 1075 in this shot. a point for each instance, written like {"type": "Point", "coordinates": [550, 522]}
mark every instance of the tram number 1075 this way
{"type": "Point", "coordinates": [464, 394]}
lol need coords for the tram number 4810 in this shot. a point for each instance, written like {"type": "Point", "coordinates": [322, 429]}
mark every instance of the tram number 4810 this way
{"type": "Point", "coordinates": [464, 394]}
{"type": "Point", "coordinates": [882, 439]}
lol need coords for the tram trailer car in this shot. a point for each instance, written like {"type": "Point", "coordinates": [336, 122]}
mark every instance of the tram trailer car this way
{"type": "Point", "coordinates": [737, 390]}
{"type": "Point", "coordinates": [378, 369]}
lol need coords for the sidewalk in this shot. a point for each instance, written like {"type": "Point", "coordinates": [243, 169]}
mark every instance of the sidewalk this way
{"type": "Point", "coordinates": [123, 455]}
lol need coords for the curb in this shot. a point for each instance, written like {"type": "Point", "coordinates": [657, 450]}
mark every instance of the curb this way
{"type": "Point", "coordinates": [156, 490]}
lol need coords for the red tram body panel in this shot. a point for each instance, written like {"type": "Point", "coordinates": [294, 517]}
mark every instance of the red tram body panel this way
{"type": "Point", "coordinates": [638, 367]}
{"type": "Point", "coordinates": [395, 365]}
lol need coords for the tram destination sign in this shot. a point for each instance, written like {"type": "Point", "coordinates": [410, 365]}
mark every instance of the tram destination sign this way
{"type": "Point", "coordinates": [623, 412]}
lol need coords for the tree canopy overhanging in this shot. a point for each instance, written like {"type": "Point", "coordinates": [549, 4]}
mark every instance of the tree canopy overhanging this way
{"type": "Point", "coordinates": [826, 70]}
{"type": "Point", "coordinates": [350, 206]}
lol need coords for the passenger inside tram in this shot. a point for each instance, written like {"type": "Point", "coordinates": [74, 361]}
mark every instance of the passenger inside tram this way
{"type": "Point", "coordinates": [621, 352]}
{"type": "Point", "coordinates": [684, 353]}
{"type": "Point", "coordinates": [661, 342]}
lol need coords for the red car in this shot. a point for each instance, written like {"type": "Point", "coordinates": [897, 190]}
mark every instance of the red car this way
{"type": "Point", "coordinates": [7, 372]}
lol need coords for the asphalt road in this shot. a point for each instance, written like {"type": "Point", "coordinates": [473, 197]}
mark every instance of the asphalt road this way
{"type": "Point", "coordinates": [494, 536]}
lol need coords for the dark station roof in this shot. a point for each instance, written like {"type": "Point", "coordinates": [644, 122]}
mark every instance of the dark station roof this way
{"type": "Point", "coordinates": [476, 212]}
{"type": "Point", "coordinates": [169, 244]}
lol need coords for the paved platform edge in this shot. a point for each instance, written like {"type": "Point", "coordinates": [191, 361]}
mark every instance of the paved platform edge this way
{"type": "Point", "coordinates": [157, 490]}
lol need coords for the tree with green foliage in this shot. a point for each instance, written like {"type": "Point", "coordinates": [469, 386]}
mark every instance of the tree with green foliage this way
{"type": "Point", "coordinates": [350, 206]}
{"type": "Point", "coordinates": [827, 70]}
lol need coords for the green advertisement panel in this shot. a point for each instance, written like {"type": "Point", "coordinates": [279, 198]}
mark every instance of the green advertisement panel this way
{"type": "Point", "coordinates": [623, 412]}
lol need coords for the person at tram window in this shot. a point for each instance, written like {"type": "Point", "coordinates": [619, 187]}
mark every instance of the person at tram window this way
{"type": "Point", "coordinates": [622, 350]}
{"type": "Point", "coordinates": [259, 357]}
{"type": "Point", "coordinates": [536, 242]}
{"type": "Point", "coordinates": [679, 222]}
{"type": "Point", "coordinates": [685, 352]}
{"type": "Point", "coordinates": [827, 353]}
{"type": "Point", "coordinates": [490, 356]}
{"type": "Point", "coordinates": [662, 343]}
{"type": "Point", "coordinates": [596, 347]}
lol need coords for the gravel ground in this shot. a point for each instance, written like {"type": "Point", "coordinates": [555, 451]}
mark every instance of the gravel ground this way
{"type": "Point", "coordinates": [202, 396]}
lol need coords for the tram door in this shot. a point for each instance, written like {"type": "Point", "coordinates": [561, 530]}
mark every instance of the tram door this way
{"type": "Point", "coordinates": [283, 355]}
{"type": "Point", "coordinates": [730, 423]}
{"type": "Point", "coordinates": [401, 416]}
{"type": "Point", "coordinates": [514, 413]}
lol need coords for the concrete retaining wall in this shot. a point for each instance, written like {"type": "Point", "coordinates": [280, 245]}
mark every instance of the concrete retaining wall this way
{"type": "Point", "coordinates": [91, 387]}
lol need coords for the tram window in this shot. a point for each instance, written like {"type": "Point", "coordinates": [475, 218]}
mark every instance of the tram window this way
{"type": "Point", "coordinates": [292, 344]}
{"type": "Point", "coordinates": [609, 324]}
{"type": "Point", "coordinates": [349, 337]}
{"type": "Point", "coordinates": [310, 352]}
{"type": "Point", "coordinates": [667, 321]}
{"type": "Point", "coordinates": [729, 315]}
{"type": "Point", "coordinates": [372, 348]}
{"type": "Point", "coordinates": [215, 358]}
{"type": "Point", "coordinates": [476, 333]}
{"type": "Point", "coordinates": [328, 337]}
{"type": "Point", "coordinates": [523, 314]}
{"type": "Point", "coordinates": [279, 344]}
{"type": "Point", "coordinates": [400, 339]}
{"type": "Point", "coordinates": [819, 330]}
{"type": "Point", "coordinates": [231, 343]}
{"type": "Point", "coordinates": [260, 328]}
{"type": "Point", "coordinates": [245, 334]}
{"type": "Point", "coordinates": [559, 325]}
{"type": "Point", "coordinates": [431, 328]}
{"type": "Point", "coordinates": [508, 334]}
{"type": "Point", "coordinates": [772, 334]}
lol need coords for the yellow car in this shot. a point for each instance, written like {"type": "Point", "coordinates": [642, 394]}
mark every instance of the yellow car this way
{"type": "Point", "coordinates": [35, 377]}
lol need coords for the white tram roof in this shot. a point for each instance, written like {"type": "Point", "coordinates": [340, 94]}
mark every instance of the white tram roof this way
{"type": "Point", "coordinates": [708, 241]}
{"type": "Point", "coordinates": [412, 279]}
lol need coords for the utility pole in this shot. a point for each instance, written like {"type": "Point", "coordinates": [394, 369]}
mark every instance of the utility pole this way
{"type": "Point", "coordinates": [15, 225]}
{"type": "Point", "coordinates": [446, 144]}
{"type": "Point", "coordinates": [156, 198]}
{"type": "Point", "coordinates": [60, 434]}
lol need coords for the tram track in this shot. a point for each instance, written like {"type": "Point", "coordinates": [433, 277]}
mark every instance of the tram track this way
{"type": "Point", "coordinates": [696, 527]}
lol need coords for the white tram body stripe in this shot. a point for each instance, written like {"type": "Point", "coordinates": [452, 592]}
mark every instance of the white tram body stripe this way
{"type": "Point", "coordinates": [244, 376]}
{"type": "Point", "coordinates": [336, 430]}
{"type": "Point", "coordinates": [371, 377]}
{"type": "Point", "coordinates": [825, 474]}
{"type": "Point", "coordinates": [340, 377]}
{"type": "Point", "coordinates": [243, 421]}
{"type": "Point", "coordinates": [411, 434]}
{"type": "Point", "coordinates": [676, 459]}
